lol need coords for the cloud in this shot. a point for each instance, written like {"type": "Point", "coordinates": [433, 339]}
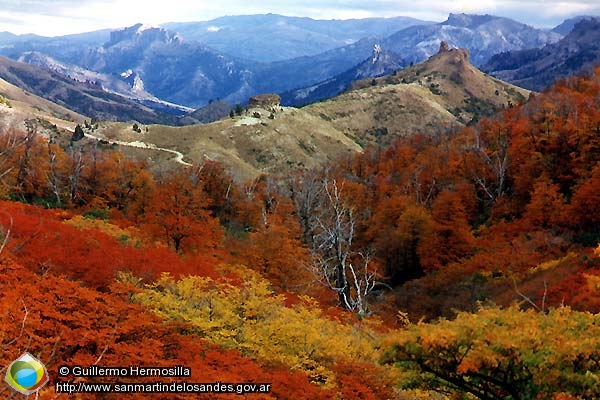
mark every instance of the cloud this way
{"type": "Point", "coordinates": [55, 8]}
{"type": "Point", "coordinates": [546, 13]}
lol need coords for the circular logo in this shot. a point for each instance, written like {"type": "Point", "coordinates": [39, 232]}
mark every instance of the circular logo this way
{"type": "Point", "coordinates": [26, 374]}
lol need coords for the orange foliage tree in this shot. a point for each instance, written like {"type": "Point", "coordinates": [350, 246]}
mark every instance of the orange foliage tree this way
{"type": "Point", "coordinates": [178, 211]}
{"type": "Point", "coordinates": [274, 245]}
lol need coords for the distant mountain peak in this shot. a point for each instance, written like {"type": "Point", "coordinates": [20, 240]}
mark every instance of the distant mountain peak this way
{"type": "Point", "coordinates": [468, 20]}
{"type": "Point", "coordinates": [484, 36]}
{"type": "Point", "coordinates": [145, 27]}
{"type": "Point", "coordinates": [142, 32]}
{"type": "Point", "coordinates": [585, 26]}
{"type": "Point", "coordinates": [567, 25]}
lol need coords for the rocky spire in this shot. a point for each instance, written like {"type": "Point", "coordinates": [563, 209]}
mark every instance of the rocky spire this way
{"type": "Point", "coordinates": [444, 46]}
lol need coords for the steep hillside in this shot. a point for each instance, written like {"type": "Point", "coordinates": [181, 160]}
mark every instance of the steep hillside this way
{"type": "Point", "coordinates": [536, 69]}
{"type": "Point", "coordinates": [85, 98]}
{"type": "Point", "coordinates": [127, 84]}
{"type": "Point", "coordinates": [17, 105]}
{"type": "Point", "coordinates": [443, 92]}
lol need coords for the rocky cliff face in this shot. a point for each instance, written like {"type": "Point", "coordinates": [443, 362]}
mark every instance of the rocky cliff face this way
{"type": "Point", "coordinates": [170, 68]}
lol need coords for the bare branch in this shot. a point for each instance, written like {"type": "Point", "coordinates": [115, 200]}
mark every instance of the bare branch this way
{"type": "Point", "coordinates": [106, 347]}
{"type": "Point", "coordinates": [544, 297]}
{"type": "Point", "coordinates": [7, 345]}
{"type": "Point", "coordinates": [22, 325]}
{"type": "Point", "coordinates": [541, 309]}
{"type": "Point", "coordinates": [7, 234]}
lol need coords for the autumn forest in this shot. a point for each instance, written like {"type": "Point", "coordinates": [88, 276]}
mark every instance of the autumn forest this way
{"type": "Point", "coordinates": [453, 264]}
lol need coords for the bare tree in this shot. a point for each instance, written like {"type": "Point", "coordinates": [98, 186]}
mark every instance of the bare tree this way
{"type": "Point", "coordinates": [25, 166]}
{"type": "Point", "coordinates": [53, 175]}
{"type": "Point", "coordinates": [494, 155]}
{"type": "Point", "coordinates": [10, 141]}
{"type": "Point", "coordinates": [75, 173]}
{"type": "Point", "coordinates": [336, 264]}
{"type": "Point", "coordinates": [305, 191]}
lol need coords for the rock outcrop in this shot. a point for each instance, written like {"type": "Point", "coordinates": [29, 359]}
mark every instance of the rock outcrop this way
{"type": "Point", "coordinates": [266, 101]}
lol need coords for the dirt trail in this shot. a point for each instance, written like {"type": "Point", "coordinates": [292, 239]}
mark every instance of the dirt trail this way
{"type": "Point", "coordinates": [143, 145]}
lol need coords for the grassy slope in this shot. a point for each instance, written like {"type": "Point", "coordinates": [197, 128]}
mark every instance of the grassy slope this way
{"type": "Point", "coordinates": [251, 146]}
{"type": "Point", "coordinates": [25, 105]}
{"type": "Point", "coordinates": [443, 92]}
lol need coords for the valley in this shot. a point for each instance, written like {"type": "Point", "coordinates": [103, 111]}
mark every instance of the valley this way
{"type": "Point", "coordinates": [440, 95]}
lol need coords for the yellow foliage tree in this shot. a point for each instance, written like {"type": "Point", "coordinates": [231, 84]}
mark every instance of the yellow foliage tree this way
{"type": "Point", "coordinates": [504, 354]}
{"type": "Point", "coordinates": [248, 316]}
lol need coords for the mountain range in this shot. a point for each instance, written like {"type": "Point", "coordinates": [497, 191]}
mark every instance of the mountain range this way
{"type": "Point", "coordinates": [378, 99]}
{"type": "Point", "coordinates": [443, 93]}
{"type": "Point", "coordinates": [482, 35]}
{"type": "Point", "coordinates": [272, 37]}
{"type": "Point", "coordinates": [536, 69]}
{"type": "Point", "coordinates": [161, 68]}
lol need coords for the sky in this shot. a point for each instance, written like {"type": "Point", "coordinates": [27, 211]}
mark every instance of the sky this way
{"type": "Point", "coordinates": [61, 17]}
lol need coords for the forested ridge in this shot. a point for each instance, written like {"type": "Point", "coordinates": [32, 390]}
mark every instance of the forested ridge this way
{"type": "Point", "coordinates": [450, 264]}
